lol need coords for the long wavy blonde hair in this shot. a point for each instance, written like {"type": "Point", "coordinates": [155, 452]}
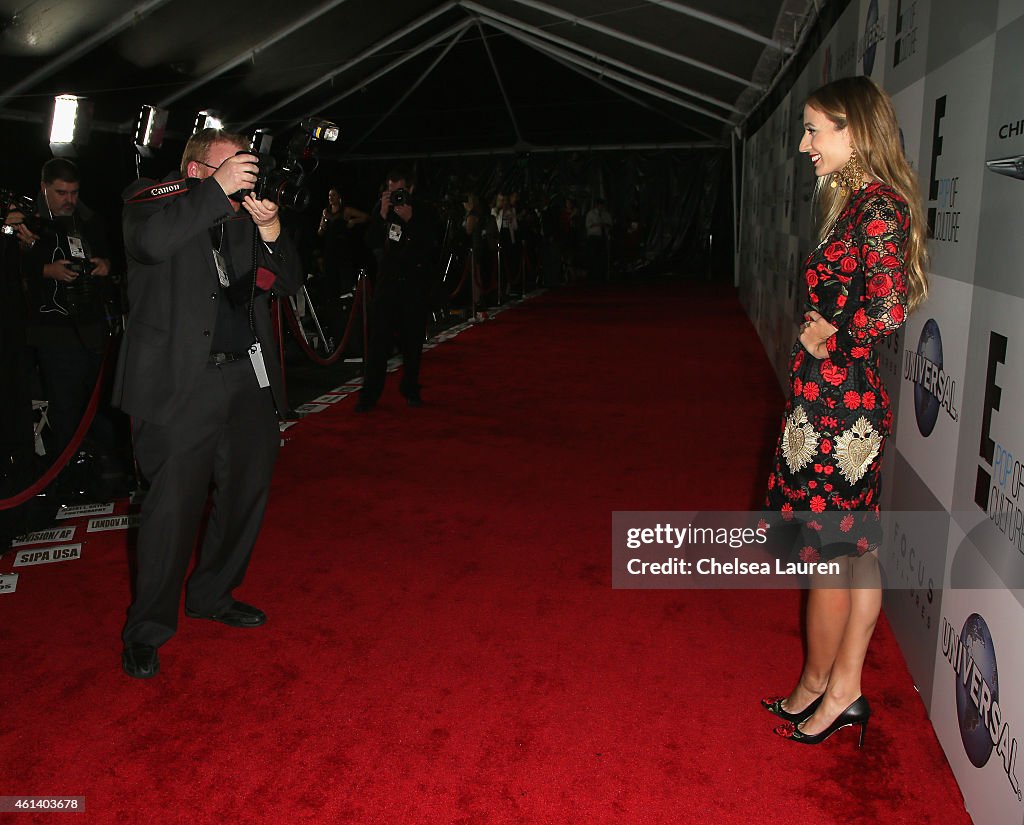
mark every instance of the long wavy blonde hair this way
{"type": "Point", "coordinates": [858, 103]}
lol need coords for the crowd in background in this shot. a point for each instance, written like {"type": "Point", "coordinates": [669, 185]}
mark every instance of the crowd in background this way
{"type": "Point", "coordinates": [489, 244]}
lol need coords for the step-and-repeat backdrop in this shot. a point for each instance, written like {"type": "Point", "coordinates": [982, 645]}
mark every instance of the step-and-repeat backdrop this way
{"type": "Point", "coordinates": [955, 71]}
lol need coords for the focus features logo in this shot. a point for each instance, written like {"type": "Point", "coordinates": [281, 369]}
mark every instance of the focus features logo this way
{"type": "Point", "coordinates": [982, 726]}
{"type": "Point", "coordinates": [933, 387]}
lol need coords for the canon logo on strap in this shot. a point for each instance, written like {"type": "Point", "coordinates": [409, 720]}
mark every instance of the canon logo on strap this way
{"type": "Point", "coordinates": [164, 190]}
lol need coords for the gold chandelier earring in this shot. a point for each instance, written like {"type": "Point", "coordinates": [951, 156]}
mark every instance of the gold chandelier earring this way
{"type": "Point", "coordinates": [851, 177]}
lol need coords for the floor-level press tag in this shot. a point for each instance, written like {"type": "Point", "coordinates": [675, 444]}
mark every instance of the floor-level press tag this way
{"type": "Point", "coordinates": [256, 356]}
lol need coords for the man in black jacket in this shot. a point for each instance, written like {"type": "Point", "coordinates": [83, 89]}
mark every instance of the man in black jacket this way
{"type": "Point", "coordinates": [199, 375]}
{"type": "Point", "coordinates": [66, 269]}
{"type": "Point", "coordinates": [403, 233]}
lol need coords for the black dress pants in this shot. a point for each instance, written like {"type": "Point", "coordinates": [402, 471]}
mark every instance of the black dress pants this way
{"type": "Point", "coordinates": [398, 308]}
{"type": "Point", "coordinates": [69, 373]}
{"type": "Point", "coordinates": [228, 435]}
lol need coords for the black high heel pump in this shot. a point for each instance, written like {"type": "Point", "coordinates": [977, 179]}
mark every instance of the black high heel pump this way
{"type": "Point", "coordinates": [773, 704]}
{"type": "Point", "coordinates": [856, 714]}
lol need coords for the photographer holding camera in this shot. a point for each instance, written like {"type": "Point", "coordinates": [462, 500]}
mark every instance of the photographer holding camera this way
{"type": "Point", "coordinates": [66, 264]}
{"type": "Point", "coordinates": [403, 233]}
{"type": "Point", "coordinates": [199, 374]}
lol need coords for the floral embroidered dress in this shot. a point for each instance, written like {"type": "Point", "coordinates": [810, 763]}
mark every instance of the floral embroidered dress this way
{"type": "Point", "coordinates": [837, 418]}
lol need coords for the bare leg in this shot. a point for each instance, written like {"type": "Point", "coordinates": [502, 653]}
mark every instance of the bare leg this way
{"type": "Point", "coordinates": [828, 613]}
{"type": "Point", "coordinates": [863, 603]}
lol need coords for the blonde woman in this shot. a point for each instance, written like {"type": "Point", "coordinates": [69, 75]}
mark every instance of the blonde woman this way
{"type": "Point", "coordinates": [865, 275]}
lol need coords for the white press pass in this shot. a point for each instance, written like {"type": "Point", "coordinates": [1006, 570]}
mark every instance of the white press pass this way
{"type": "Point", "coordinates": [256, 356]}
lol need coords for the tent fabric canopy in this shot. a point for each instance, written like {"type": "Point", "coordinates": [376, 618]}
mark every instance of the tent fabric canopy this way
{"type": "Point", "coordinates": [409, 76]}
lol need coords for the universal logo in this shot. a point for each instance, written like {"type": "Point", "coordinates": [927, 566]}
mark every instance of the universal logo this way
{"type": "Point", "coordinates": [874, 33]}
{"type": "Point", "coordinates": [933, 387]}
{"type": "Point", "coordinates": [999, 489]}
{"type": "Point", "coordinates": [972, 656]}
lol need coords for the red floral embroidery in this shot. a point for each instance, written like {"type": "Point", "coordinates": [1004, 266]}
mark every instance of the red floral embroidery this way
{"type": "Point", "coordinates": [846, 525]}
{"type": "Point", "coordinates": [826, 446]}
{"type": "Point", "coordinates": [811, 391]}
{"type": "Point", "coordinates": [875, 228]}
{"type": "Point", "coordinates": [818, 504]}
{"type": "Point", "coordinates": [879, 285]}
{"type": "Point", "coordinates": [851, 399]}
{"type": "Point", "coordinates": [835, 251]}
{"type": "Point", "coordinates": [810, 554]}
{"type": "Point", "coordinates": [833, 374]}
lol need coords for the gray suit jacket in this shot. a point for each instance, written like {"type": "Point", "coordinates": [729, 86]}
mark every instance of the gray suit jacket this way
{"type": "Point", "coordinates": [173, 292]}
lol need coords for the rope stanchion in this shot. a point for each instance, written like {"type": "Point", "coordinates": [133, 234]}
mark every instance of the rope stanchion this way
{"type": "Point", "coordinates": [300, 335]}
{"type": "Point", "coordinates": [278, 332]}
{"type": "Point", "coordinates": [462, 281]}
{"type": "Point", "coordinates": [72, 447]}
{"type": "Point", "coordinates": [364, 281]}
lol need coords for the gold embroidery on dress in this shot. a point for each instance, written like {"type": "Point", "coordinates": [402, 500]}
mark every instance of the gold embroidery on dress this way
{"type": "Point", "coordinates": [856, 449]}
{"type": "Point", "coordinates": [799, 441]}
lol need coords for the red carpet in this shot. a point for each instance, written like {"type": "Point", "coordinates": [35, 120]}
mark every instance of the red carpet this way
{"type": "Point", "coordinates": [444, 645]}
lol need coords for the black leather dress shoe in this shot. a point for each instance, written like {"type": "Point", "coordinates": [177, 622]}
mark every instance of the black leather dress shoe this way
{"type": "Point", "coordinates": [239, 614]}
{"type": "Point", "coordinates": [140, 661]}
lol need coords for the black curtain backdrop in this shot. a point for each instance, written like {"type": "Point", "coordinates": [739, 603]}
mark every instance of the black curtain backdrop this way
{"type": "Point", "coordinates": [681, 198]}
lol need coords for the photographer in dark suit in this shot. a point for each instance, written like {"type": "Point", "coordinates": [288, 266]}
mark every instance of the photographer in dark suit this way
{"type": "Point", "coordinates": [66, 264]}
{"type": "Point", "coordinates": [403, 233]}
{"type": "Point", "coordinates": [199, 374]}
